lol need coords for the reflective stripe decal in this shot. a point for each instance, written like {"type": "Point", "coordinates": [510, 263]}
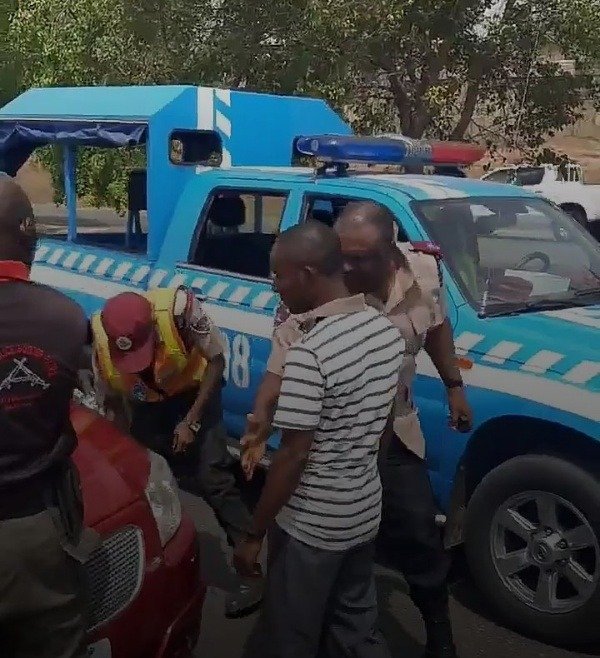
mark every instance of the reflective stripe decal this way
{"type": "Point", "coordinates": [502, 351]}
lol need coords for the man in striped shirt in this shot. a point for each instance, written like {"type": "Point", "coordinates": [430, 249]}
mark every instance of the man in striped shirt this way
{"type": "Point", "coordinates": [404, 282]}
{"type": "Point", "coordinates": [323, 487]}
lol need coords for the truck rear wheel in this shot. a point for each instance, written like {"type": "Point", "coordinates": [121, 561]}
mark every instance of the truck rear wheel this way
{"type": "Point", "coordinates": [532, 537]}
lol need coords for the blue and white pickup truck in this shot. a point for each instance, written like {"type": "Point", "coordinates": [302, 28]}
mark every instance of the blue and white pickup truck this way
{"type": "Point", "coordinates": [522, 490]}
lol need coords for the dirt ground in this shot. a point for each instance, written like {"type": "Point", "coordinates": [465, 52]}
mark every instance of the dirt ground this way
{"type": "Point", "coordinates": [586, 151]}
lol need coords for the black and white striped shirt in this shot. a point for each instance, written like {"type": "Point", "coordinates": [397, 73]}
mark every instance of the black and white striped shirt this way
{"type": "Point", "coordinates": [339, 380]}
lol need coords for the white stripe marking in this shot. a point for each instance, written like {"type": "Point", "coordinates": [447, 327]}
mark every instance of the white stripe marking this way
{"type": "Point", "coordinates": [542, 361]}
{"type": "Point", "coordinates": [156, 278]}
{"type": "Point", "coordinates": [140, 273]}
{"type": "Point", "coordinates": [204, 108]}
{"type": "Point", "coordinates": [583, 372]}
{"type": "Point", "coordinates": [467, 341]}
{"type": "Point", "coordinates": [254, 324]}
{"type": "Point", "coordinates": [122, 270]}
{"type": "Point", "coordinates": [217, 290]}
{"type": "Point", "coordinates": [502, 351]}
{"type": "Point", "coordinates": [226, 160]}
{"type": "Point", "coordinates": [262, 299]}
{"type": "Point", "coordinates": [56, 256]}
{"type": "Point", "coordinates": [559, 395]}
{"type": "Point", "coordinates": [41, 252]}
{"type": "Point", "coordinates": [102, 269]}
{"type": "Point", "coordinates": [198, 282]}
{"type": "Point", "coordinates": [177, 280]}
{"type": "Point", "coordinates": [223, 124]}
{"type": "Point", "coordinates": [240, 293]}
{"type": "Point", "coordinates": [551, 393]}
{"type": "Point", "coordinates": [224, 95]}
{"type": "Point", "coordinates": [84, 266]}
{"type": "Point", "coordinates": [69, 261]}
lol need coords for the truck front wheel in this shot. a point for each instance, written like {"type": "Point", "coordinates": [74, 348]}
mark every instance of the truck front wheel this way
{"type": "Point", "coordinates": [532, 537]}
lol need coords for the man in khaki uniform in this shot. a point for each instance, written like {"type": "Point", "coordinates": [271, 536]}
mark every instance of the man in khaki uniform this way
{"type": "Point", "coordinates": [406, 285]}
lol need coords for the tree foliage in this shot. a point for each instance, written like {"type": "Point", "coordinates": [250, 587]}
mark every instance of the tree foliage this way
{"type": "Point", "coordinates": [483, 69]}
{"type": "Point", "coordinates": [423, 66]}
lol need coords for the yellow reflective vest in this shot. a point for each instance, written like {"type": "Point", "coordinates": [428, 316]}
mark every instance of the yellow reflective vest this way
{"type": "Point", "coordinates": [176, 369]}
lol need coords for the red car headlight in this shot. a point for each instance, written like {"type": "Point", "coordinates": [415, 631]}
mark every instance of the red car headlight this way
{"type": "Point", "coordinates": [162, 493]}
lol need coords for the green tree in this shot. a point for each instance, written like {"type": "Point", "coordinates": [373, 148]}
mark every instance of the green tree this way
{"type": "Point", "coordinates": [107, 42]}
{"type": "Point", "coordinates": [422, 66]}
{"type": "Point", "coordinates": [9, 67]}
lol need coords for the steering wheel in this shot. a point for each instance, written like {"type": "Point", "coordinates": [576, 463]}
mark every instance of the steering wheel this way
{"type": "Point", "coordinates": [535, 255]}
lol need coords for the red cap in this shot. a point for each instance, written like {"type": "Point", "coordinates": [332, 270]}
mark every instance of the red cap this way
{"type": "Point", "coordinates": [129, 325]}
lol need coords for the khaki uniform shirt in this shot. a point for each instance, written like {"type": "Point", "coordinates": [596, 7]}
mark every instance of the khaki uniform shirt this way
{"type": "Point", "coordinates": [416, 304]}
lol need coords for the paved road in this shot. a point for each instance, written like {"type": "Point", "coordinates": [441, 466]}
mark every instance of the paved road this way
{"type": "Point", "coordinates": [477, 635]}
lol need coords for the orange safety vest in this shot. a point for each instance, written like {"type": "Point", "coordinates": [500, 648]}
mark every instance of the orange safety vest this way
{"type": "Point", "coordinates": [176, 369]}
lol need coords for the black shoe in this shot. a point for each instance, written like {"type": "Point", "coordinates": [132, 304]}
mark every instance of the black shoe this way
{"type": "Point", "coordinates": [440, 643]}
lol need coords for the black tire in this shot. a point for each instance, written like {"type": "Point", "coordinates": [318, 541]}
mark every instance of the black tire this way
{"type": "Point", "coordinates": [534, 473]}
{"type": "Point", "coordinates": [577, 213]}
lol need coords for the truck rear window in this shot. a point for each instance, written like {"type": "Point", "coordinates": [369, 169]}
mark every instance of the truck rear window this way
{"type": "Point", "coordinates": [237, 231]}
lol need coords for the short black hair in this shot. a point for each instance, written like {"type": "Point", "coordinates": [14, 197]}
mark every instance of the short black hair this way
{"type": "Point", "coordinates": [315, 244]}
{"type": "Point", "coordinates": [17, 226]}
{"type": "Point", "coordinates": [372, 214]}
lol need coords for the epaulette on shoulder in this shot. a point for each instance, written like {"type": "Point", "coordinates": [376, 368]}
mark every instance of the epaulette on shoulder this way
{"type": "Point", "coordinates": [426, 247]}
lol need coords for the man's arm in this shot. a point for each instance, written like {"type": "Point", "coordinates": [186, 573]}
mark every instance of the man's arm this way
{"type": "Point", "coordinates": [259, 422]}
{"type": "Point", "coordinates": [284, 476]}
{"type": "Point", "coordinates": [209, 384]}
{"type": "Point", "coordinates": [298, 415]}
{"type": "Point", "coordinates": [198, 331]}
{"type": "Point", "coordinates": [439, 344]}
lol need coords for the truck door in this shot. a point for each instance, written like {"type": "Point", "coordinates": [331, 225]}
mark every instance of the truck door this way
{"type": "Point", "coordinates": [228, 267]}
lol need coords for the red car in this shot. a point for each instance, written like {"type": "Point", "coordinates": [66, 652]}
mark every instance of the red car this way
{"type": "Point", "coordinates": [144, 580]}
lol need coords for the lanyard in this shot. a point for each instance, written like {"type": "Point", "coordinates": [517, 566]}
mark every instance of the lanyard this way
{"type": "Point", "coordinates": [12, 270]}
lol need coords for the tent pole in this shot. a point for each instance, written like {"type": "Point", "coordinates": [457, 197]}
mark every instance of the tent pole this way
{"type": "Point", "coordinates": [69, 171]}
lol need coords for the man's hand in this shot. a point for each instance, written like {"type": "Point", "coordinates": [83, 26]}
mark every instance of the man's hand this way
{"type": "Point", "coordinates": [461, 415]}
{"type": "Point", "coordinates": [184, 437]}
{"type": "Point", "coordinates": [253, 444]}
{"type": "Point", "coordinates": [245, 556]}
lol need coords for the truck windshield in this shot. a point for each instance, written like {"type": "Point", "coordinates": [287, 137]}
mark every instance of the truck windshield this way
{"type": "Point", "coordinates": [511, 255]}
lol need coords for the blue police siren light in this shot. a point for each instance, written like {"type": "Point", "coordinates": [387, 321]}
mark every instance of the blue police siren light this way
{"type": "Point", "coordinates": [391, 150]}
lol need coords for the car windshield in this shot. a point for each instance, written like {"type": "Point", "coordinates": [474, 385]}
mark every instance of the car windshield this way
{"type": "Point", "coordinates": [522, 176]}
{"type": "Point", "coordinates": [511, 255]}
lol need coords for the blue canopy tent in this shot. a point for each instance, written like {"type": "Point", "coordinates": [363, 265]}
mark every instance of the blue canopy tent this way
{"type": "Point", "coordinates": [106, 117]}
{"type": "Point", "coordinates": [252, 128]}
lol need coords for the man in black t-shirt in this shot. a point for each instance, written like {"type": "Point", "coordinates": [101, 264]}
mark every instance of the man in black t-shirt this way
{"type": "Point", "coordinates": [42, 337]}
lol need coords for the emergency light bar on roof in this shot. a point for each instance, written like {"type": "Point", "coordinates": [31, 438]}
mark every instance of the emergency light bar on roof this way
{"type": "Point", "coordinates": [388, 150]}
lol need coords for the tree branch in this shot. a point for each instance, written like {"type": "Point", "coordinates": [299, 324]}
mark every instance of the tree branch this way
{"type": "Point", "coordinates": [468, 109]}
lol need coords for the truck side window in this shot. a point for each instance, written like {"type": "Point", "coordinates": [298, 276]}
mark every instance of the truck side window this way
{"type": "Point", "coordinates": [327, 209]}
{"type": "Point", "coordinates": [237, 231]}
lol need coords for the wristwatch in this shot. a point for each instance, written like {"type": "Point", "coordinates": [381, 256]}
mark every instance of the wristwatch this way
{"type": "Point", "coordinates": [453, 383]}
{"type": "Point", "coordinates": [195, 426]}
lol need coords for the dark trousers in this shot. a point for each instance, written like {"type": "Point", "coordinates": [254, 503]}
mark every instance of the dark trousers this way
{"type": "Point", "coordinates": [409, 538]}
{"type": "Point", "coordinates": [42, 599]}
{"type": "Point", "coordinates": [318, 603]}
{"type": "Point", "coordinates": [206, 468]}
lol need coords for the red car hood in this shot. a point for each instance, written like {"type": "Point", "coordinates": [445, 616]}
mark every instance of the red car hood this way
{"type": "Point", "coordinates": [114, 469]}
